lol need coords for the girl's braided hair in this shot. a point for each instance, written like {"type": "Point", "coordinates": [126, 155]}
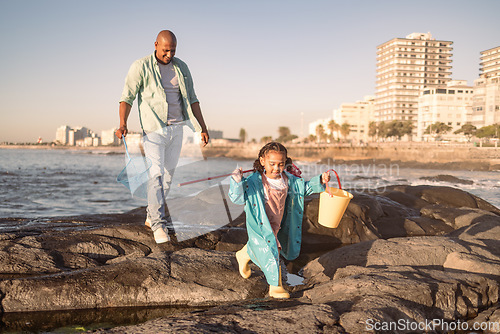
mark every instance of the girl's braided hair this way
{"type": "Point", "coordinates": [272, 146]}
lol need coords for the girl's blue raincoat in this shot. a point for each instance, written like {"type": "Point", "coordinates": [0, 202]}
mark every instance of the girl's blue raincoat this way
{"type": "Point", "coordinates": [262, 247]}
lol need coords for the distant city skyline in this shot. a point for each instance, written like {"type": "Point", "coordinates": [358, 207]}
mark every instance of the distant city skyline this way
{"type": "Point", "coordinates": [256, 66]}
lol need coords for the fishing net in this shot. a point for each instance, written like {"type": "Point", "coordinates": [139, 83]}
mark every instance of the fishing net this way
{"type": "Point", "coordinates": [135, 175]}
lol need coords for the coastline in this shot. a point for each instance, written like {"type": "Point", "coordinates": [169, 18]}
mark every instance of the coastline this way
{"type": "Point", "coordinates": [412, 155]}
{"type": "Point", "coordinates": [409, 155]}
{"type": "Point", "coordinates": [60, 147]}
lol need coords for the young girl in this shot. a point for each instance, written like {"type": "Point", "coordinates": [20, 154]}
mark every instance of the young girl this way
{"type": "Point", "coordinates": [274, 206]}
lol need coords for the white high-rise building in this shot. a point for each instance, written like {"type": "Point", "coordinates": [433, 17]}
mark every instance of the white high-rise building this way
{"type": "Point", "coordinates": [450, 104]}
{"type": "Point", "coordinates": [490, 63]}
{"type": "Point", "coordinates": [62, 134]}
{"type": "Point", "coordinates": [486, 104]}
{"type": "Point", "coordinates": [358, 115]}
{"type": "Point", "coordinates": [405, 66]}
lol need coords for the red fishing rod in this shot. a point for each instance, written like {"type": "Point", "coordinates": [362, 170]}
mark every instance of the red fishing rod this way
{"type": "Point", "coordinates": [213, 177]}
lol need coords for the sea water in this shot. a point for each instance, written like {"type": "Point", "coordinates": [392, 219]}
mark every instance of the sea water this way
{"type": "Point", "coordinates": [45, 183]}
{"type": "Point", "coordinates": [63, 182]}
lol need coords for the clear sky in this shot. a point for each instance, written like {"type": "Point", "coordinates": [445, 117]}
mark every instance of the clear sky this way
{"type": "Point", "coordinates": [256, 64]}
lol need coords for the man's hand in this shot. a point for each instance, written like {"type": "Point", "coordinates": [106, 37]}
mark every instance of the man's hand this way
{"type": "Point", "coordinates": [123, 111]}
{"type": "Point", "coordinates": [204, 138]}
{"type": "Point", "coordinates": [199, 117]}
{"type": "Point", "coordinates": [122, 131]}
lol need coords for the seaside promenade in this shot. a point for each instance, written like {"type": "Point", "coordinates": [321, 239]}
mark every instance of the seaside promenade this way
{"type": "Point", "coordinates": [452, 156]}
{"type": "Point", "coordinates": [418, 155]}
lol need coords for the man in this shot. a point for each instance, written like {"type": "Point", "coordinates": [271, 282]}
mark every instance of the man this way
{"type": "Point", "coordinates": [166, 102]}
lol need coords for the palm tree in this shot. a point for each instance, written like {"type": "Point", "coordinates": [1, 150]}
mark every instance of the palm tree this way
{"type": "Point", "coordinates": [333, 126]}
{"type": "Point", "coordinates": [320, 132]}
{"type": "Point", "coordinates": [345, 129]}
{"type": "Point", "coordinates": [311, 138]}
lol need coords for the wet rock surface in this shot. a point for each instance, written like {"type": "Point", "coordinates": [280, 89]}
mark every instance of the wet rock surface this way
{"type": "Point", "coordinates": [257, 317]}
{"type": "Point", "coordinates": [408, 252]}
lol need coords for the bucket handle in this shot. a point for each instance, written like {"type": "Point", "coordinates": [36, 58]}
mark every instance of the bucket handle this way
{"type": "Point", "coordinates": [126, 148]}
{"type": "Point", "coordinates": [338, 180]}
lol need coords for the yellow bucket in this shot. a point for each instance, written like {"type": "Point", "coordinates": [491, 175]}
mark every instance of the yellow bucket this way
{"type": "Point", "coordinates": [332, 205]}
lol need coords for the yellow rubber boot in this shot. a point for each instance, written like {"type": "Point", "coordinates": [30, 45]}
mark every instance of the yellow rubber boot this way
{"type": "Point", "coordinates": [278, 291]}
{"type": "Point", "coordinates": [243, 262]}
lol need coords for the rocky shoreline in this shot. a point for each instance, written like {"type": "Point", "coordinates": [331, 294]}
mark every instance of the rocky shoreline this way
{"type": "Point", "coordinates": [402, 253]}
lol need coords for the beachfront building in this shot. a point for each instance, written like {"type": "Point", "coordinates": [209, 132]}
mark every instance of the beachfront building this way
{"type": "Point", "coordinates": [405, 66]}
{"type": "Point", "coordinates": [486, 103]}
{"type": "Point", "coordinates": [66, 135]}
{"type": "Point", "coordinates": [358, 116]}
{"type": "Point", "coordinates": [490, 63]}
{"type": "Point", "coordinates": [62, 135]}
{"type": "Point", "coordinates": [92, 140]}
{"type": "Point", "coordinates": [109, 138]}
{"type": "Point", "coordinates": [450, 104]}
{"type": "Point", "coordinates": [77, 135]}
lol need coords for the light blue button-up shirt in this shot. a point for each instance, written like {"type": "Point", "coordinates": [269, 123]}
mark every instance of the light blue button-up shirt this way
{"type": "Point", "coordinates": [144, 81]}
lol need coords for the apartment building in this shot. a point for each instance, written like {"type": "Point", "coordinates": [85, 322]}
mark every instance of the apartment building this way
{"type": "Point", "coordinates": [450, 104]}
{"type": "Point", "coordinates": [62, 134]}
{"type": "Point", "coordinates": [486, 103]}
{"type": "Point", "coordinates": [405, 66]}
{"type": "Point", "coordinates": [108, 137]}
{"type": "Point", "coordinates": [490, 63]}
{"type": "Point", "coordinates": [66, 135]}
{"type": "Point", "coordinates": [358, 115]}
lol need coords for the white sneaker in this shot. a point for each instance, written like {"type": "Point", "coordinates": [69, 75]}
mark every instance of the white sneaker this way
{"type": "Point", "coordinates": [161, 236]}
{"type": "Point", "coordinates": [147, 223]}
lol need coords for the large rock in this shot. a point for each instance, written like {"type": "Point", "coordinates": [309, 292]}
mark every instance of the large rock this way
{"type": "Point", "coordinates": [395, 293]}
{"type": "Point", "coordinates": [416, 251]}
{"type": "Point", "coordinates": [453, 277]}
{"type": "Point", "coordinates": [396, 211]}
{"type": "Point", "coordinates": [407, 283]}
{"type": "Point", "coordinates": [186, 277]}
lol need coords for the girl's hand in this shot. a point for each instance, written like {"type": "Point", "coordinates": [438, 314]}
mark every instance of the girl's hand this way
{"type": "Point", "coordinates": [237, 175]}
{"type": "Point", "coordinates": [325, 177]}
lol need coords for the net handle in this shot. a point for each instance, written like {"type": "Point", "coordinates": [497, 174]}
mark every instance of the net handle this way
{"type": "Point", "coordinates": [126, 148]}
{"type": "Point", "coordinates": [338, 180]}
